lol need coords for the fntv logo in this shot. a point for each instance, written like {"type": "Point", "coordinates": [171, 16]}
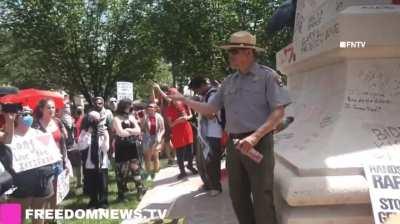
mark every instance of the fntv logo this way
{"type": "Point", "coordinates": [10, 214]}
{"type": "Point", "coordinates": [353, 44]}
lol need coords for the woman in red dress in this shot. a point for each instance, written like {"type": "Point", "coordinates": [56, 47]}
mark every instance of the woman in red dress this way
{"type": "Point", "coordinates": [181, 134]}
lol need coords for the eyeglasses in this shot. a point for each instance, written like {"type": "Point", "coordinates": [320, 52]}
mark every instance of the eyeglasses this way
{"type": "Point", "coordinates": [235, 51]}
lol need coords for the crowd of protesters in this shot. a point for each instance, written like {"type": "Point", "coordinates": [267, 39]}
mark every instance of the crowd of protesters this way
{"type": "Point", "coordinates": [89, 139]}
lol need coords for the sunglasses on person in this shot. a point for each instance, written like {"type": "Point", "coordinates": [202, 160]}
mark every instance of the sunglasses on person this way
{"type": "Point", "coordinates": [234, 51]}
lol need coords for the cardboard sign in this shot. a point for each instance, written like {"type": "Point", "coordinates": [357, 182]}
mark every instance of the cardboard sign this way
{"type": "Point", "coordinates": [124, 90]}
{"type": "Point", "coordinates": [62, 186]}
{"type": "Point", "coordinates": [384, 187]}
{"type": "Point", "coordinates": [32, 152]}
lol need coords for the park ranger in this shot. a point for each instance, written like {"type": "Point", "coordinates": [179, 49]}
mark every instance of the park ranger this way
{"type": "Point", "coordinates": [254, 102]}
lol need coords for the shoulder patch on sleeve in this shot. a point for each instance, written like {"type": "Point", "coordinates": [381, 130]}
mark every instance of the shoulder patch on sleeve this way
{"type": "Point", "coordinates": [275, 75]}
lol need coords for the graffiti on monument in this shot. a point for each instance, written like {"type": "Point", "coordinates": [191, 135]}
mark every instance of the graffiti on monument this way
{"type": "Point", "coordinates": [318, 37]}
{"type": "Point", "coordinates": [374, 7]}
{"type": "Point", "coordinates": [339, 6]}
{"type": "Point", "coordinates": [389, 135]}
{"type": "Point", "coordinates": [298, 26]}
{"type": "Point", "coordinates": [315, 19]}
{"type": "Point", "coordinates": [378, 90]}
{"type": "Point", "coordinates": [383, 135]}
{"type": "Point", "coordinates": [395, 83]}
{"type": "Point", "coordinates": [374, 78]}
{"type": "Point", "coordinates": [366, 101]}
{"type": "Point", "coordinates": [327, 121]}
{"type": "Point", "coordinates": [287, 55]}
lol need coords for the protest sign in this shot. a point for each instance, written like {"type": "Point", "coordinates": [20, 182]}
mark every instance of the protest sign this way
{"type": "Point", "coordinates": [384, 187]}
{"type": "Point", "coordinates": [35, 151]}
{"type": "Point", "coordinates": [124, 90]}
{"type": "Point", "coordinates": [62, 186]}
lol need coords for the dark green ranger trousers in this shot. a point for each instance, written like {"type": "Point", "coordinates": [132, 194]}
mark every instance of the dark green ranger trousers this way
{"type": "Point", "coordinates": [251, 184]}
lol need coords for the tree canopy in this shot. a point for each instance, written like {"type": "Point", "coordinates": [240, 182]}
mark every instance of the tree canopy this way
{"type": "Point", "coordinates": [85, 46]}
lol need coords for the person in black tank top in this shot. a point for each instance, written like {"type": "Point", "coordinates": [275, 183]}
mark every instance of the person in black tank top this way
{"type": "Point", "coordinates": [127, 163]}
{"type": "Point", "coordinates": [125, 147]}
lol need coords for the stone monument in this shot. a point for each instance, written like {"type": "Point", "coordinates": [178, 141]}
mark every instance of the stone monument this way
{"type": "Point", "coordinates": [343, 71]}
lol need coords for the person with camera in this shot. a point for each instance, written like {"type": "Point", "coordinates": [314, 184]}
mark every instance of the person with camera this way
{"type": "Point", "coordinates": [127, 132]}
{"type": "Point", "coordinates": [6, 135]}
{"type": "Point", "coordinates": [96, 163]}
{"type": "Point", "coordinates": [34, 186]}
{"type": "Point", "coordinates": [7, 129]}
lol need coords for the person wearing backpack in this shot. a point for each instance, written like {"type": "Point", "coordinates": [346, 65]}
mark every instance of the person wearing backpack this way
{"type": "Point", "coordinates": [210, 129]}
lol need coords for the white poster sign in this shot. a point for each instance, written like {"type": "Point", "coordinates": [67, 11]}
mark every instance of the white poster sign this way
{"type": "Point", "coordinates": [62, 186]}
{"type": "Point", "coordinates": [32, 152]}
{"type": "Point", "coordinates": [384, 187]}
{"type": "Point", "coordinates": [124, 90]}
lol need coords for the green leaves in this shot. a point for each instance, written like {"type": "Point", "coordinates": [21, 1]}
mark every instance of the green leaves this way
{"type": "Point", "coordinates": [85, 46]}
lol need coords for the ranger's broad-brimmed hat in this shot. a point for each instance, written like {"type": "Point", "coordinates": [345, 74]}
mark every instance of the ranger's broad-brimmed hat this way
{"type": "Point", "coordinates": [242, 39]}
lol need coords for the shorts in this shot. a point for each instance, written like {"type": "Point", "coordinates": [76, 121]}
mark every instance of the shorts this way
{"type": "Point", "coordinates": [149, 141]}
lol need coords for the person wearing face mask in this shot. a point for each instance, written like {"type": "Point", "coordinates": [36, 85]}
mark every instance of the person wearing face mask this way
{"type": "Point", "coordinates": [96, 163]}
{"type": "Point", "coordinates": [127, 131]}
{"type": "Point", "coordinates": [34, 186]}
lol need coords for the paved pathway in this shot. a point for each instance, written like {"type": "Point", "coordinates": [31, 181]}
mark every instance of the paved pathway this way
{"type": "Point", "coordinates": [184, 199]}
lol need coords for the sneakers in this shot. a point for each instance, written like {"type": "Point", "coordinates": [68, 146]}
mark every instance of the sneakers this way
{"type": "Point", "coordinates": [181, 176]}
{"type": "Point", "coordinates": [121, 199]}
{"type": "Point", "coordinates": [192, 169]}
{"type": "Point", "coordinates": [140, 193]}
{"type": "Point", "coordinates": [204, 188]}
{"type": "Point", "coordinates": [214, 193]}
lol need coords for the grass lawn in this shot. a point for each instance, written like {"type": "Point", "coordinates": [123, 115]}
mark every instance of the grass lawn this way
{"type": "Point", "coordinates": [76, 200]}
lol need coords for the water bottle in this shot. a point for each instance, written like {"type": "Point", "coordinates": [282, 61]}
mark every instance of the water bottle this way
{"type": "Point", "coordinates": [253, 154]}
